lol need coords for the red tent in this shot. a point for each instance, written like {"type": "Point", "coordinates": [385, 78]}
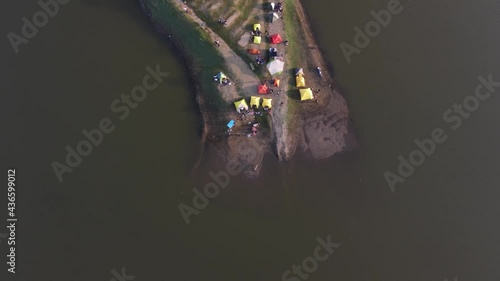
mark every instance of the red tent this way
{"type": "Point", "coordinates": [263, 90]}
{"type": "Point", "coordinates": [276, 39]}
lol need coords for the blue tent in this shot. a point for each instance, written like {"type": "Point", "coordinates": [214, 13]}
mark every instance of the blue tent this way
{"type": "Point", "coordinates": [230, 124]}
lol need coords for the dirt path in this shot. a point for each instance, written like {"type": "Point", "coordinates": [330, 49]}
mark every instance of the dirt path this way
{"type": "Point", "coordinates": [240, 71]}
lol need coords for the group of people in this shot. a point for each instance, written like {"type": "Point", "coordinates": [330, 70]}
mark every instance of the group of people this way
{"type": "Point", "coordinates": [279, 7]}
{"type": "Point", "coordinates": [256, 32]}
{"type": "Point", "coordinates": [259, 60]}
{"type": "Point", "coordinates": [224, 81]}
{"type": "Point", "coordinates": [222, 21]}
{"type": "Point", "coordinates": [255, 130]}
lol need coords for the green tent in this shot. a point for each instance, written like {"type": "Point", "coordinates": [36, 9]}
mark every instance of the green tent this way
{"type": "Point", "coordinates": [219, 77]}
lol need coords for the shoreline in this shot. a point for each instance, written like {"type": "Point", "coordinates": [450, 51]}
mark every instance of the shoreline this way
{"type": "Point", "coordinates": [322, 128]}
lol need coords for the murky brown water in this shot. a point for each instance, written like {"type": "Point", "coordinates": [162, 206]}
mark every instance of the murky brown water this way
{"type": "Point", "coordinates": [119, 208]}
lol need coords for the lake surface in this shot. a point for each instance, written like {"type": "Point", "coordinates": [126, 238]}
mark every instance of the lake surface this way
{"type": "Point", "coordinates": [119, 207]}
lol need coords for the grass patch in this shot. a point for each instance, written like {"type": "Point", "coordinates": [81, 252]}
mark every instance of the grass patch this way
{"type": "Point", "coordinates": [204, 59]}
{"type": "Point", "coordinates": [292, 27]}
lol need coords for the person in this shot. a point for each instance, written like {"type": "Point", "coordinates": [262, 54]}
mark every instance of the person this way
{"type": "Point", "coordinates": [287, 43]}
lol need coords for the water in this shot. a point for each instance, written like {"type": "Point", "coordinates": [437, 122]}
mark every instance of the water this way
{"type": "Point", "coordinates": [119, 208]}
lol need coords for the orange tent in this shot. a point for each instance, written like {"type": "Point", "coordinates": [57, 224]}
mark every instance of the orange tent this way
{"type": "Point", "coordinates": [276, 39]}
{"type": "Point", "coordinates": [276, 82]}
{"type": "Point", "coordinates": [253, 51]}
{"type": "Point", "coordinates": [263, 89]}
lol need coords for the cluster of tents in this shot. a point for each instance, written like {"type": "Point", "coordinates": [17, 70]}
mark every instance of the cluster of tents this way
{"type": "Point", "coordinates": [255, 102]}
{"type": "Point", "coordinates": [273, 39]}
{"type": "Point", "coordinates": [276, 64]}
{"type": "Point", "coordinates": [305, 93]}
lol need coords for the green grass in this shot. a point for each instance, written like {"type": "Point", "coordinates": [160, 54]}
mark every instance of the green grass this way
{"type": "Point", "coordinates": [291, 22]}
{"type": "Point", "coordinates": [291, 27]}
{"type": "Point", "coordinates": [204, 58]}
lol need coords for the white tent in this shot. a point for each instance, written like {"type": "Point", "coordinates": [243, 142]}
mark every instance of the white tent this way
{"type": "Point", "coordinates": [274, 17]}
{"type": "Point", "coordinates": [276, 66]}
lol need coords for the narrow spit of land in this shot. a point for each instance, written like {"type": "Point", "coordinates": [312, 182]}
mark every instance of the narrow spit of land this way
{"type": "Point", "coordinates": [320, 126]}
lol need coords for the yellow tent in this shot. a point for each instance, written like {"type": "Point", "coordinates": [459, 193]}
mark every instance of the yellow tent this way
{"type": "Point", "coordinates": [306, 94]}
{"type": "Point", "coordinates": [267, 103]}
{"type": "Point", "coordinates": [257, 39]}
{"type": "Point", "coordinates": [241, 105]}
{"type": "Point", "coordinates": [301, 82]}
{"type": "Point", "coordinates": [256, 26]}
{"type": "Point", "coordinates": [255, 101]}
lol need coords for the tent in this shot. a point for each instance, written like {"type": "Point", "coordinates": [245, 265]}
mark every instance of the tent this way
{"type": "Point", "coordinates": [276, 66]}
{"type": "Point", "coordinates": [276, 39]}
{"type": "Point", "coordinates": [274, 17]}
{"type": "Point", "coordinates": [255, 101]}
{"type": "Point", "coordinates": [253, 51]}
{"type": "Point", "coordinates": [267, 103]}
{"type": "Point", "coordinates": [220, 77]}
{"type": "Point", "coordinates": [231, 124]}
{"type": "Point", "coordinates": [306, 94]}
{"type": "Point", "coordinates": [299, 72]}
{"type": "Point", "coordinates": [256, 26]}
{"type": "Point", "coordinates": [301, 82]}
{"type": "Point", "coordinates": [241, 105]}
{"type": "Point", "coordinates": [257, 39]}
{"type": "Point", "coordinates": [262, 89]}
{"type": "Point", "coordinates": [276, 83]}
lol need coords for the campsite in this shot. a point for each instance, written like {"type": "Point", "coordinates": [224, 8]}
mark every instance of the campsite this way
{"type": "Point", "coordinates": [266, 93]}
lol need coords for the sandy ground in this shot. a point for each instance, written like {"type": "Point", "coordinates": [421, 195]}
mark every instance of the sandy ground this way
{"type": "Point", "coordinates": [327, 129]}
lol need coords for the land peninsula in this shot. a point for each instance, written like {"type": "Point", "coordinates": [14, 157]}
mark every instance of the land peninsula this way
{"type": "Point", "coordinates": [226, 45]}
